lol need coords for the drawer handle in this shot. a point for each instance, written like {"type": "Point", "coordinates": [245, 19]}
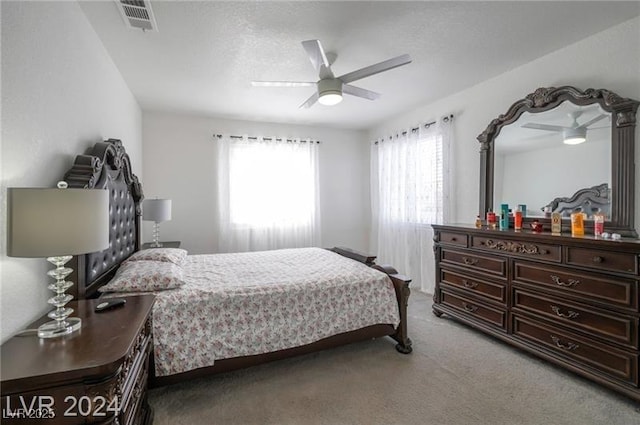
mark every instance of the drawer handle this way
{"type": "Point", "coordinates": [597, 259]}
{"type": "Point", "coordinates": [569, 346]}
{"type": "Point", "coordinates": [468, 284]}
{"type": "Point", "coordinates": [570, 315]}
{"type": "Point", "coordinates": [470, 308]}
{"type": "Point", "coordinates": [470, 261]}
{"type": "Point", "coordinates": [571, 282]}
{"type": "Point", "coordinates": [453, 239]}
{"type": "Point", "coordinates": [515, 247]}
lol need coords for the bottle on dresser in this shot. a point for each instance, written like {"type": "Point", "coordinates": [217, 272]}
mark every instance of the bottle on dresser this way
{"type": "Point", "coordinates": [504, 216]}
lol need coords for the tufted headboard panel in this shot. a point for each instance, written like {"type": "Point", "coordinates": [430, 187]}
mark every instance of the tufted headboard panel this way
{"type": "Point", "coordinates": [108, 167]}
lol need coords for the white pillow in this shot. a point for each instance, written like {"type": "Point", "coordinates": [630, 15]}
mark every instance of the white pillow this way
{"type": "Point", "coordinates": [172, 255]}
{"type": "Point", "coordinates": [144, 276]}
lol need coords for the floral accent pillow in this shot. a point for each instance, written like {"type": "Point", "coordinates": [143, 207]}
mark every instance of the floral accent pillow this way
{"type": "Point", "coordinates": [176, 256]}
{"type": "Point", "coordinates": [143, 276]}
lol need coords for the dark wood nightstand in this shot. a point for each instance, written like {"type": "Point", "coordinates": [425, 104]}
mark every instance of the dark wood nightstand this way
{"type": "Point", "coordinates": [96, 375]}
{"type": "Point", "coordinates": [170, 244]}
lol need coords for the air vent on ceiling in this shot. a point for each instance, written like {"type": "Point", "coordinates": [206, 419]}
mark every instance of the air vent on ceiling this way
{"type": "Point", "coordinates": [137, 14]}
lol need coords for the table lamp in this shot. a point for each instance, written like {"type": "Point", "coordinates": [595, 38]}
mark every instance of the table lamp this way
{"type": "Point", "coordinates": [58, 224]}
{"type": "Point", "coordinates": [156, 210]}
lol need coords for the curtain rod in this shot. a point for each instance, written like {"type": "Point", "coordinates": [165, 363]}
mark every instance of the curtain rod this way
{"type": "Point", "coordinates": [446, 118]}
{"type": "Point", "coordinates": [277, 139]}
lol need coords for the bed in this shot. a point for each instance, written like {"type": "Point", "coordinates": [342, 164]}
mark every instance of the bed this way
{"type": "Point", "coordinates": [303, 300]}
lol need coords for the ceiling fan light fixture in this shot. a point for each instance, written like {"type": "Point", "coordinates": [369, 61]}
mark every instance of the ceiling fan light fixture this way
{"type": "Point", "coordinates": [330, 99]}
{"type": "Point", "coordinates": [574, 136]}
{"type": "Point", "coordinates": [329, 91]}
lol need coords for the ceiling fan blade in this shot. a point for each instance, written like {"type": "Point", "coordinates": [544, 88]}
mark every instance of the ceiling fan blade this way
{"type": "Point", "coordinates": [357, 91]}
{"type": "Point", "coordinates": [282, 84]}
{"type": "Point", "coordinates": [316, 54]}
{"type": "Point", "coordinates": [309, 102]}
{"type": "Point", "coordinates": [375, 69]}
{"type": "Point", "coordinates": [596, 119]}
{"type": "Point", "coordinates": [544, 127]}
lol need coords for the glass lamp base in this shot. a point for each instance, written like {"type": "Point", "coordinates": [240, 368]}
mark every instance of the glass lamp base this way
{"type": "Point", "coordinates": [55, 329]}
{"type": "Point", "coordinates": [156, 236]}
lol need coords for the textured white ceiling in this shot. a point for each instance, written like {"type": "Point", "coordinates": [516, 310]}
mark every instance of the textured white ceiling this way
{"type": "Point", "coordinates": [205, 54]}
{"type": "Point", "coordinates": [514, 138]}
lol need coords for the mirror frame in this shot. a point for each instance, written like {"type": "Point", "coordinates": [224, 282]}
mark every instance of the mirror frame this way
{"type": "Point", "coordinates": [623, 126]}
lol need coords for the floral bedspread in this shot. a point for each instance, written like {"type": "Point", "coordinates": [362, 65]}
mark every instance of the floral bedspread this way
{"type": "Point", "coordinates": [250, 303]}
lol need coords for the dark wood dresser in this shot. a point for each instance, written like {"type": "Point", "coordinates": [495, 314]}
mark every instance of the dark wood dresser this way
{"type": "Point", "coordinates": [97, 375]}
{"type": "Point", "coordinates": [570, 300]}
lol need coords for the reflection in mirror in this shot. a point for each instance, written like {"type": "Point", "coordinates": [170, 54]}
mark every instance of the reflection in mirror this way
{"type": "Point", "coordinates": [555, 154]}
{"type": "Point", "coordinates": [552, 112]}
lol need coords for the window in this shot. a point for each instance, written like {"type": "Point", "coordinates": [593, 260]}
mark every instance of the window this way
{"type": "Point", "coordinates": [269, 196]}
{"type": "Point", "coordinates": [411, 174]}
{"type": "Point", "coordinates": [271, 184]}
{"type": "Point", "coordinates": [409, 192]}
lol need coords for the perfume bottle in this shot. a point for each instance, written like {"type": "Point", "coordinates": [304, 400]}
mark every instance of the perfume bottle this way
{"type": "Point", "coordinates": [517, 220]}
{"type": "Point", "coordinates": [523, 209]}
{"type": "Point", "coordinates": [478, 222]}
{"type": "Point", "coordinates": [556, 223]}
{"type": "Point", "coordinates": [491, 219]}
{"type": "Point", "coordinates": [536, 226]}
{"type": "Point", "coordinates": [504, 216]}
{"type": "Point", "coordinates": [598, 224]}
{"type": "Point", "coordinates": [577, 224]}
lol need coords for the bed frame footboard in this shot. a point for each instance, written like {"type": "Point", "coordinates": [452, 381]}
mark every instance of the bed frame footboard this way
{"type": "Point", "coordinates": [400, 284]}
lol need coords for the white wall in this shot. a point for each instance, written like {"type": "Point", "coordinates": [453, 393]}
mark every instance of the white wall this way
{"type": "Point", "coordinates": [610, 59]}
{"type": "Point", "coordinates": [536, 177]}
{"type": "Point", "coordinates": [180, 163]}
{"type": "Point", "coordinates": [61, 93]}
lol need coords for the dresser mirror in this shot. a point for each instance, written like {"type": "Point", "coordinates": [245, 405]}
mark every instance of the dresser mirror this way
{"type": "Point", "coordinates": [562, 150]}
{"type": "Point", "coordinates": [540, 157]}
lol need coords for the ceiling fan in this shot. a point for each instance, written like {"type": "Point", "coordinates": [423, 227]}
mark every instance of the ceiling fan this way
{"type": "Point", "coordinates": [573, 135]}
{"type": "Point", "coordinates": [330, 88]}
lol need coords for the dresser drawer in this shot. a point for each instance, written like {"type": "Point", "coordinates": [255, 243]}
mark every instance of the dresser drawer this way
{"type": "Point", "coordinates": [603, 260]}
{"type": "Point", "coordinates": [453, 238]}
{"type": "Point", "coordinates": [132, 380]}
{"type": "Point", "coordinates": [493, 265]}
{"type": "Point", "coordinates": [619, 364]}
{"type": "Point", "coordinates": [525, 249]}
{"type": "Point", "coordinates": [136, 412]}
{"type": "Point", "coordinates": [489, 315]}
{"type": "Point", "coordinates": [481, 287]}
{"type": "Point", "coordinates": [618, 292]}
{"type": "Point", "coordinates": [616, 328]}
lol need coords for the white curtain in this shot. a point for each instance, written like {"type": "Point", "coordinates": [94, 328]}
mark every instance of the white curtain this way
{"type": "Point", "coordinates": [410, 191]}
{"type": "Point", "coordinates": [268, 194]}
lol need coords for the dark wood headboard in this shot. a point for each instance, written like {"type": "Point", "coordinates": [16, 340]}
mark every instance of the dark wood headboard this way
{"type": "Point", "coordinates": [107, 166]}
{"type": "Point", "coordinates": [590, 200]}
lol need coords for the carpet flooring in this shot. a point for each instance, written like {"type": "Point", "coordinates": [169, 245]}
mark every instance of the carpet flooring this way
{"type": "Point", "coordinates": [454, 376]}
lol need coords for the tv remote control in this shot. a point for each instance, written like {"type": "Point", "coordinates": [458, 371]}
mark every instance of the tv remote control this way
{"type": "Point", "coordinates": [109, 304]}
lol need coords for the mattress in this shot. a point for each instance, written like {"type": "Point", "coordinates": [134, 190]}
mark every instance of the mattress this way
{"type": "Point", "coordinates": [243, 304]}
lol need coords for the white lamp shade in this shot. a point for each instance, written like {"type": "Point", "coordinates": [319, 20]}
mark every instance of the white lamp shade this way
{"type": "Point", "coordinates": [157, 210]}
{"type": "Point", "coordinates": [56, 222]}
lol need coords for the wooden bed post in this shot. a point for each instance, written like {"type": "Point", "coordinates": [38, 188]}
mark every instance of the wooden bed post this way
{"type": "Point", "coordinates": [401, 285]}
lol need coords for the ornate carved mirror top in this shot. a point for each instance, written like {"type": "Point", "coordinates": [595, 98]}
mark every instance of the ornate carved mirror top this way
{"type": "Point", "coordinates": [562, 150]}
